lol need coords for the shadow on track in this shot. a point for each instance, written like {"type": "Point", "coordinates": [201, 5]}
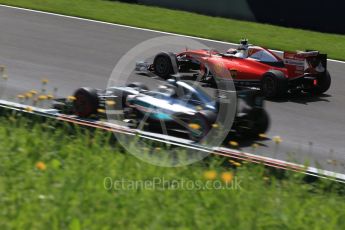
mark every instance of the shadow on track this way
{"type": "Point", "coordinates": [302, 98]}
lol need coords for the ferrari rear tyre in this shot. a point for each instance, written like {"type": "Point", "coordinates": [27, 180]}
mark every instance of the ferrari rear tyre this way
{"type": "Point", "coordinates": [274, 84]}
{"type": "Point", "coordinates": [323, 84]}
{"type": "Point", "coordinates": [86, 102]}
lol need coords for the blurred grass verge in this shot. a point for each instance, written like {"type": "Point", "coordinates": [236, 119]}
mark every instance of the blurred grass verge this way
{"type": "Point", "coordinates": [57, 176]}
{"type": "Point", "coordinates": [180, 22]}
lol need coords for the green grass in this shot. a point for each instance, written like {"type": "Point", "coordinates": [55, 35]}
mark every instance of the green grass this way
{"type": "Point", "coordinates": [70, 192]}
{"type": "Point", "coordinates": [273, 37]}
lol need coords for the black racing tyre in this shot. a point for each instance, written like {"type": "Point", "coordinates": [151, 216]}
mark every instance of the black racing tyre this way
{"type": "Point", "coordinates": [86, 102]}
{"type": "Point", "coordinates": [257, 121]}
{"type": "Point", "coordinates": [274, 84]}
{"type": "Point", "coordinates": [138, 85]}
{"type": "Point", "coordinates": [323, 84]}
{"type": "Point", "coordinates": [203, 119]}
{"type": "Point", "coordinates": [163, 66]}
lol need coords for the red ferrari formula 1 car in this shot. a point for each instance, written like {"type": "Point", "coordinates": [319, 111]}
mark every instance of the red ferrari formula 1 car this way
{"type": "Point", "coordinates": [251, 66]}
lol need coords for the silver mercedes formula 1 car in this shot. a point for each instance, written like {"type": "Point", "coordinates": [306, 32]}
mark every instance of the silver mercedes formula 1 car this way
{"type": "Point", "coordinates": [178, 105]}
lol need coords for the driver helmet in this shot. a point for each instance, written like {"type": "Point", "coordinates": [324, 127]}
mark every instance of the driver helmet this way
{"type": "Point", "coordinates": [242, 49]}
{"type": "Point", "coordinates": [168, 90]}
{"type": "Point", "coordinates": [244, 45]}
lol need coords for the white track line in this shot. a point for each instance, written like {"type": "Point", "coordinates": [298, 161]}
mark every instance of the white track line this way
{"type": "Point", "coordinates": [136, 28]}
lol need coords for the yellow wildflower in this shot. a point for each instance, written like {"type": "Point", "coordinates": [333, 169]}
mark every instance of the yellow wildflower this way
{"type": "Point", "coordinates": [28, 95]}
{"type": "Point", "coordinates": [227, 177]}
{"type": "Point", "coordinates": [34, 92]}
{"type": "Point", "coordinates": [233, 144]}
{"type": "Point", "coordinates": [277, 139]}
{"type": "Point", "coordinates": [44, 81]}
{"type": "Point", "coordinates": [235, 163]}
{"type": "Point", "coordinates": [41, 166]}
{"type": "Point", "coordinates": [210, 175]}
{"type": "Point", "coordinates": [42, 97]}
{"type": "Point", "coordinates": [28, 109]}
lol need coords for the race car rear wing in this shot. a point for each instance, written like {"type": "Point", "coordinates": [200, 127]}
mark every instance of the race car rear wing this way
{"type": "Point", "coordinates": [305, 62]}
